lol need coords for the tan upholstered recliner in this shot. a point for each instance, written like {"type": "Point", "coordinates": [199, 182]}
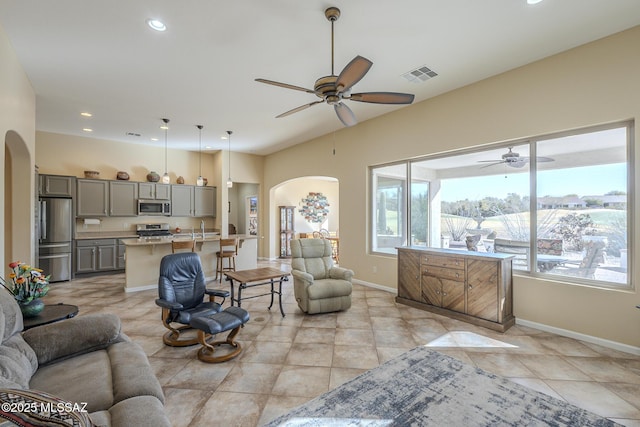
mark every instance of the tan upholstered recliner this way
{"type": "Point", "coordinates": [319, 287]}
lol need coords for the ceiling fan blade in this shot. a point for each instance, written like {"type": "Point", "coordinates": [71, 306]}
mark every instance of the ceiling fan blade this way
{"type": "Point", "coordinates": [383, 97]}
{"type": "Point", "coordinates": [353, 73]}
{"type": "Point", "coordinates": [300, 108]}
{"type": "Point", "coordinates": [345, 114]}
{"type": "Point", "coordinates": [285, 85]}
{"type": "Point", "coordinates": [544, 159]}
{"type": "Point", "coordinates": [494, 163]}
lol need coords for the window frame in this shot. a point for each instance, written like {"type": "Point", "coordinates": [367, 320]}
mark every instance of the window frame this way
{"type": "Point", "coordinates": [532, 143]}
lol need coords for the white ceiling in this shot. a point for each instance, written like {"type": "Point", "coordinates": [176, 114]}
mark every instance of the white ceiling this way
{"type": "Point", "coordinates": [99, 56]}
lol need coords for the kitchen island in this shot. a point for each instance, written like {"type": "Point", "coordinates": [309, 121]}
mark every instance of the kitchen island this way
{"type": "Point", "coordinates": [143, 256]}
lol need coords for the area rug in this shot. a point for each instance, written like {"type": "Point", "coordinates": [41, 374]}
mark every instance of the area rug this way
{"type": "Point", "coordinates": [426, 388]}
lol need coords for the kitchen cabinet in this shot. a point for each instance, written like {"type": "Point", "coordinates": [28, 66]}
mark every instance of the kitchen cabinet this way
{"type": "Point", "coordinates": [474, 287]}
{"type": "Point", "coordinates": [120, 263]}
{"type": "Point", "coordinates": [205, 201]}
{"type": "Point", "coordinates": [123, 198]}
{"type": "Point", "coordinates": [92, 198]}
{"type": "Point", "coordinates": [182, 200]}
{"type": "Point", "coordinates": [96, 255]}
{"type": "Point", "coordinates": [287, 229]}
{"type": "Point", "coordinates": [154, 191]}
{"type": "Point", "coordinates": [57, 186]}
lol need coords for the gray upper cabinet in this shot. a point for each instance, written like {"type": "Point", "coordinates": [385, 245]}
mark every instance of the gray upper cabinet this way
{"type": "Point", "coordinates": [182, 200]}
{"type": "Point", "coordinates": [152, 190]}
{"type": "Point", "coordinates": [123, 198]}
{"type": "Point", "coordinates": [205, 201]}
{"type": "Point", "coordinates": [57, 185]}
{"type": "Point", "coordinates": [93, 198]}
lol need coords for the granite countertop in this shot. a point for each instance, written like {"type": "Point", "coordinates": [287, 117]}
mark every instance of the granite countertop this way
{"type": "Point", "coordinates": [105, 235]}
{"type": "Point", "coordinates": [165, 240]}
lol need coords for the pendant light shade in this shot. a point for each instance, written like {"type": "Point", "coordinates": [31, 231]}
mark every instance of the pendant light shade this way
{"type": "Point", "coordinates": [165, 178]}
{"type": "Point", "coordinates": [229, 182]}
{"type": "Point", "coordinates": [200, 180]}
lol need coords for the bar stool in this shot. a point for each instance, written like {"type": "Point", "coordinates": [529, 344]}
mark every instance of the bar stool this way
{"type": "Point", "coordinates": [176, 245]}
{"type": "Point", "coordinates": [228, 250]}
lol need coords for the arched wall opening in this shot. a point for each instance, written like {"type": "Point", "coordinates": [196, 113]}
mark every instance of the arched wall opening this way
{"type": "Point", "coordinates": [291, 193]}
{"type": "Point", "coordinates": [19, 235]}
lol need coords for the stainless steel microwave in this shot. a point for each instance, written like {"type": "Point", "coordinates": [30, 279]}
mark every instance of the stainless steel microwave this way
{"type": "Point", "coordinates": [154, 207]}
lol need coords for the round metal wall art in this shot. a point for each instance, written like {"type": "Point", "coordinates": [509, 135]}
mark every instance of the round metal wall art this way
{"type": "Point", "coordinates": [314, 208]}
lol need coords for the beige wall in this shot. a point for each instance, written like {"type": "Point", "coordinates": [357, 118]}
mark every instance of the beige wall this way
{"type": "Point", "coordinates": [592, 84]}
{"type": "Point", "coordinates": [17, 132]}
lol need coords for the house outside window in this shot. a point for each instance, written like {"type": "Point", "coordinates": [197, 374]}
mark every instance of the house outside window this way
{"type": "Point", "coordinates": [574, 227]}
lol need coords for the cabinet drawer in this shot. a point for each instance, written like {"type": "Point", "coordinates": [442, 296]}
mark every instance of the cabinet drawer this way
{"type": "Point", "coordinates": [95, 242]}
{"type": "Point", "coordinates": [443, 261]}
{"type": "Point", "coordinates": [443, 272]}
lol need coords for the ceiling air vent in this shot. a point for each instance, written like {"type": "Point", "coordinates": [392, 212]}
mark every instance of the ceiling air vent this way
{"type": "Point", "coordinates": [132, 134]}
{"type": "Point", "coordinates": [420, 74]}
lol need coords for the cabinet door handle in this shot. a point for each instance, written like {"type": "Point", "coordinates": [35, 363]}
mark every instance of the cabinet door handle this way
{"type": "Point", "coordinates": [437, 292]}
{"type": "Point", "coordinates": [470, 287]}
{"type": "Point", "coordinates": [444, 294]}
{"type": "Point", "coordinates": [457, 275]}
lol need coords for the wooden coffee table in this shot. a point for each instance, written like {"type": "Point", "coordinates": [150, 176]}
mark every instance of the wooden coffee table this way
{"type": "Point", "coordinates": [51, 313]}
{"type": "Point", "coordinates": [264, 276]}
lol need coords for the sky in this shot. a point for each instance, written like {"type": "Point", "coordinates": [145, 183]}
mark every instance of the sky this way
{"type": "Point", "coordinates": [583, 181]}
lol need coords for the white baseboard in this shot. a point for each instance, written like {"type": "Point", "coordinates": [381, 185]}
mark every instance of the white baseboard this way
{"type": "Point", "coordinates": [583, 337]}
{"type": "Point", "coordinates": [558, 331]}
{"type": "Point", "coordinates": [375, 286]}
{"type": "Point", "coordinates": [141, 288]}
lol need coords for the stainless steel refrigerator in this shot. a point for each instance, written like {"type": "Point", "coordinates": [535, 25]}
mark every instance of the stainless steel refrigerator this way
{"type": "Point", "coordinates": [54, 243]}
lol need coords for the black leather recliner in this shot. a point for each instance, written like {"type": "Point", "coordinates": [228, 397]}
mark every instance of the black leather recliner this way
{"type": "Point", "coordinates": [181, 290]}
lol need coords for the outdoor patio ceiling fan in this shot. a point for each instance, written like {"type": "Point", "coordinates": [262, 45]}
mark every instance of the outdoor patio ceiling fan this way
{"type": "Point", "coordinates": [334, 89]}
{"type": "Point", "coordinates": [513, 159]}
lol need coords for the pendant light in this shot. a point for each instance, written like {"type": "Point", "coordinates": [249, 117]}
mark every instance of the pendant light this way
{"type": "Point", "coordinates": [200, 180]}
{"type": "Point", "coordinates": [229, 182]}
{"type": "Point", "coordinates": [165, 178]}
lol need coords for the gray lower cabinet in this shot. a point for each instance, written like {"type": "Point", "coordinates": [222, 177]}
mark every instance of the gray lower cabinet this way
{"type": "Point", "coordinates": [121, 261]}
{"type": "Point", "coordinates": [97, 255]}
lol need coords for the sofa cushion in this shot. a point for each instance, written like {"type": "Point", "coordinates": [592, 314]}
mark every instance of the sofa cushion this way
{"type": "Point", "coordinates": [139, 411]}
{"type": "Point", "coordinates": [17, 359]}
{"type": "Point", "coordinates": [131, 373]}
{"type": "Point", "coordinates": [84, 378]}
{"type": "Point", "coordinates": [34, 408]}
{"type": "Point", "coordinates": [75, 336]}
{"type": "Point", "coordinates": [17, 363]}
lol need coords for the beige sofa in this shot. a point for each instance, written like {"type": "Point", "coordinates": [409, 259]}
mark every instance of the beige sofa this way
{"type": "Point", "coordinates": [85, 362]}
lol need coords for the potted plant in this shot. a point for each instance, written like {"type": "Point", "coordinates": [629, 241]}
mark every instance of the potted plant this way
{"type": "Point", "coordinates": [27, 286]}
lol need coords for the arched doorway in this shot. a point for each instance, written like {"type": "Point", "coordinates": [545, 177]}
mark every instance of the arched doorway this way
{"type": "Point", "coordinates": [19, 235]}
{"type": "Point", "coordinates": [291, 193]}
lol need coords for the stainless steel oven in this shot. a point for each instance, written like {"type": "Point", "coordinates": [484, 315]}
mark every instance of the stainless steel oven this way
{"type": "Point", "coordinates": [154, 207]}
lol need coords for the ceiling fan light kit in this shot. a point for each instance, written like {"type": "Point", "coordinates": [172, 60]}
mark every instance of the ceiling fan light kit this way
{"type": "Point", "coordinates": [334, 89]}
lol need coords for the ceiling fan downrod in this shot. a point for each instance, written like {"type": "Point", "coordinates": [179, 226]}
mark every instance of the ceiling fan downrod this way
{"type": "Point", "coordinates": [332, 14]}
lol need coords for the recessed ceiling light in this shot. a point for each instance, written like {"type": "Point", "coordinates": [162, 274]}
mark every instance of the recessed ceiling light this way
{"type": "Point", "coordinates": [156, 24]}
{"type": "Point", "coordinates": [154, 139]}
{"type": "Point", "coordinates": [164, 127]}
{"type": "Point", "coordinates": [533, 1]}
{"type": "Point", "coordinates": [207, 147]}
{"type": "Point", "coordinates": [224, 137]}
{"type": "Point", "coordinates": [85, 114]}
{"type": "Point", "coordinates": [87, 130]}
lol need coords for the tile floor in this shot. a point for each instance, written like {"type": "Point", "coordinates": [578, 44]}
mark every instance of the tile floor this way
{"type": "Point", "coordinates": [287, 361]}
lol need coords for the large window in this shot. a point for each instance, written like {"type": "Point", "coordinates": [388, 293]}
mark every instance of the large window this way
{"type": "Point", "coordinates": [559, 204]}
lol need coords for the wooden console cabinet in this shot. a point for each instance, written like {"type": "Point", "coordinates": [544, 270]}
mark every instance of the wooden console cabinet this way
{"type": "Point", "coordinates": [472, 286]}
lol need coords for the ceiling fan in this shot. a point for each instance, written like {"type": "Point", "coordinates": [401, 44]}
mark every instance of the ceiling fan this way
{"type": "Point", "coordinates": [513, 160]}
{"type": "Point", "coordinates": [334, 89]}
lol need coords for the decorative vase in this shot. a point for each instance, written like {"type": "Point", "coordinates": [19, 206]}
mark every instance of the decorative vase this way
{"type": "Point", "coordinates": [123, 176]}
{"type": "Point", "coordinates": [32, 308]}
{"type": "Point", "coordinates": [153, 177]}
{"type": "Point", "coordinates": [180, 180]}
